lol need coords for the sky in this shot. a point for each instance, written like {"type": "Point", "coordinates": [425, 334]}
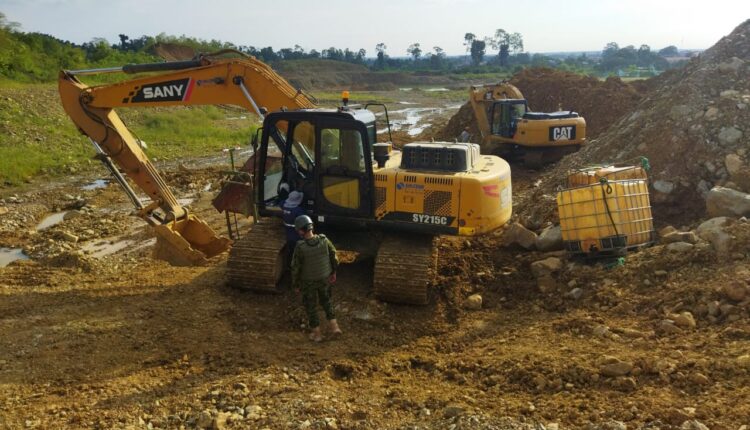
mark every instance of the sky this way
{"type": "Point", "coordinates": [546, 25]}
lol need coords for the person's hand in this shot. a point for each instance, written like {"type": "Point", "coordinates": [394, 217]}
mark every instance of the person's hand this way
{"type": "Point", "coordinates": [332, 278]}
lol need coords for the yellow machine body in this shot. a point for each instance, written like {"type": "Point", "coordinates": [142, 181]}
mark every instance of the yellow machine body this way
{"type": "Point", "coordinates": [466, 203]}
{"type": "Point", "coordinates": [507, 125]}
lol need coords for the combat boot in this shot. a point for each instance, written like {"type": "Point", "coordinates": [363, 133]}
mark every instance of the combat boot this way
{"type": "Point", "coordinates": [315, 335]}
{"type": "Point", "coordinates": [334, 325]}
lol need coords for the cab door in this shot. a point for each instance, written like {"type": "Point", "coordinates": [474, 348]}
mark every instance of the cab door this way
{"type": "Point", "coordinates": [344, 173]}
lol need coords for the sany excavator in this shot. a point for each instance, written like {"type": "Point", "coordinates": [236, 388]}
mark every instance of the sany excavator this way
{"type": "Point", "coordinates": [509, 128]}
{"type": "Point", "coordinates": [353, 186]}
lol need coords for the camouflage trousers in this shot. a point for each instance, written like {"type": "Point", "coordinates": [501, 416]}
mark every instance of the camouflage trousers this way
{"type": "Point", "coordinates": [314, 292]}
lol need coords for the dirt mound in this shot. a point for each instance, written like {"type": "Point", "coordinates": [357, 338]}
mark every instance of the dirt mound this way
{"type": "Point", "coordinates": [693, 129]}
{"type": "Point", "coordinates": [601, 103]}
{"type": "Point", "coordinates": [338, 75]}
{"type": "Point", "coordinates": [456, 124]}
{"type": "Point", "coordinates": [173, 51]}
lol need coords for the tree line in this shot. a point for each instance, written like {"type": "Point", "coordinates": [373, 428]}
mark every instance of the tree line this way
{"type": "Point", "coordinates": [39, 57]}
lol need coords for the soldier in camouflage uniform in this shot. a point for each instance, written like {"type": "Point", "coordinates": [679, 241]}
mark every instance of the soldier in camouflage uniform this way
{"type": "Point", "coordinates": [314, 266]}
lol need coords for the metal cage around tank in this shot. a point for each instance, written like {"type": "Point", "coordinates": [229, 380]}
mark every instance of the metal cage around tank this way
{"type": "Point", "coordinates": [606, 217]}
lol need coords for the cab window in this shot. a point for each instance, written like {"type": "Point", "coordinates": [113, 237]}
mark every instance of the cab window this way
{"type": "Point", "coordinates": [303, 144]}
{"type": "Point", "coordinates": [343, 166]}
{"type": "Point", "coordinates": [273, 171]}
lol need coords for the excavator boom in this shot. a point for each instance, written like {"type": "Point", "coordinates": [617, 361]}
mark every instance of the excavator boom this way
{"type": "Point", "coordinates": [184, 239]}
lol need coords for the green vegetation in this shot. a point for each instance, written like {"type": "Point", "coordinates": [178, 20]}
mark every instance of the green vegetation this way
{"type": "Point", "coordinates": [190, 131]}
{"type": "Point", "coordinates": [37, 137]}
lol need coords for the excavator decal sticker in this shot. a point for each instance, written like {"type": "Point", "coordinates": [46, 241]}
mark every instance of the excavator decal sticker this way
{"type": "Point", "coordinates": [566, 132]}
{"type": "Point", "coordinates": [491, 190]}
{"type": "Point", "coordinates": [167, 91]}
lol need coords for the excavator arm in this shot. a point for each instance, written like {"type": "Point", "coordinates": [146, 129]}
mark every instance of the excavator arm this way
{"type": "Point", "coordinates": [184, 239]}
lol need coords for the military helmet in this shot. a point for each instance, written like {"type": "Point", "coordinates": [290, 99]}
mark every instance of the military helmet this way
{"type": "Point", "coordinates": [303, 222]}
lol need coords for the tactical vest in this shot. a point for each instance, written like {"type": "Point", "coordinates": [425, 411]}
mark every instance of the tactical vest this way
{"type": "Point", "coordinates": [316, 263]}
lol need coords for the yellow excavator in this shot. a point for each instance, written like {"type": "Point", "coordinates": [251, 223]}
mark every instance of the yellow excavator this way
{"type": "Point", "coordinates": [509, 128]}
{"type": "Point", "coordinates": [352, 185]}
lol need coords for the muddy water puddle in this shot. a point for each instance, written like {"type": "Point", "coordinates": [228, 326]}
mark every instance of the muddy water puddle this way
{"type": "Point", "coordinates": [103, 248]}
{"type": "Point", "coordinates": [9, 255]}
{"type": "Point", "coordinates": [95, 185]}
{"type": "Point", "coordinates": [51, 220]}
{"type": "Point", "coordinates": [415, 120]}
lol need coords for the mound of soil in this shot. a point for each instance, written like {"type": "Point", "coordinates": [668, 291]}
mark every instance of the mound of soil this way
{"type": "Point", "coordinates": [337, 75]}
{"type": "Point", "coordinates": [173, 51]}
{"type": "Point", "coordinates": [601, 103]}
{"type": "Point", "coordinates": [693, 128]}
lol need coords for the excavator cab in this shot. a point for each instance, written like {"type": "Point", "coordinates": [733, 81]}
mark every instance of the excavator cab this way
{"type": "Point", "coordinates": [326, 155]}
{"type": "Point", "coordinates": [504, 116]}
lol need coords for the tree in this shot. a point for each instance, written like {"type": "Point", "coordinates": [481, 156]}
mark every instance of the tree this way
{"type": "Point", "coordinates": [438, 58]}
{"type": "Point", "coordinates": [468, 40]}
{"type": "Point", "coordinates": [414, 50]}
{"type": "Point", "coordinates": [669, 51]}
{"type": "Point", "coordinates": [644, 55]}
{"type": "Point", "coordinates": [477, 51]}
{"type": "Point", "coordinates": [506, 44]}
{"type": "Point", "coordinates": [268, 54]}
{"type": "Point", "coordinates": [380, 62]}
{"type": "Point", "coordinates": [124, 42]}
{"type": "Point", "coordinates": [8, 25]}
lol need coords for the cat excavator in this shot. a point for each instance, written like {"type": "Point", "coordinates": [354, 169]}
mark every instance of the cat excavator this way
{"type": "Point", "coordinates": [509, 128]}
{"type": "Point", "coordinates": [352, 184]}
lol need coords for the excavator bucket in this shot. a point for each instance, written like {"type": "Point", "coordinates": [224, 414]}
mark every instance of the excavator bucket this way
{"type": "Point", "coordinates": [188, 242]}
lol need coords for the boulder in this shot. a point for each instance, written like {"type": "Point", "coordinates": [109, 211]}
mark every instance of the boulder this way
{"type": "Point", "coordinates": [613, 366]}
{"type": "Point", "coordinates": [550, 239]}
{"type": "Point", "coordinates": [519, 235]}
{"type": "Point", "coordinates": [665, 231]}
{"type": "Point", "coordinates": [729, 135]}
{"type": "Point", "coordinates": [684, 319]}
{"type": "Point", "coordinates": [722, 201]}
{"type": "Point", "coordinates": [473, 302]}
{"type": "Point", "coordinates": [736, 291]}
{"type": "Point", "coordinates": [713, 232]}
{"type": "Point", "coordinates": [733, 163]}
{"type": "Point", "coordinates": [679, 236]}
{"type": "Point", "coordinates": [451, 411]}
{"type": "Point", "coordinates": [546, 267]}
{"type": "Point", "coordinates": [664, 187]}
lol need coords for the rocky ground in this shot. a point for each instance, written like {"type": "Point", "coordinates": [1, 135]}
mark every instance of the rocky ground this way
{"type": "Point", "coordinates": [94, 333]}
{"type": "Point", "coordinates": [118, 340]}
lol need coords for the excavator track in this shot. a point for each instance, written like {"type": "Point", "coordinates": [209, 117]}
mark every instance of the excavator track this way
{"type": "Point", "coordinates": [256, 261]}
{"type": "Point", "coordinates": [404, 268]}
